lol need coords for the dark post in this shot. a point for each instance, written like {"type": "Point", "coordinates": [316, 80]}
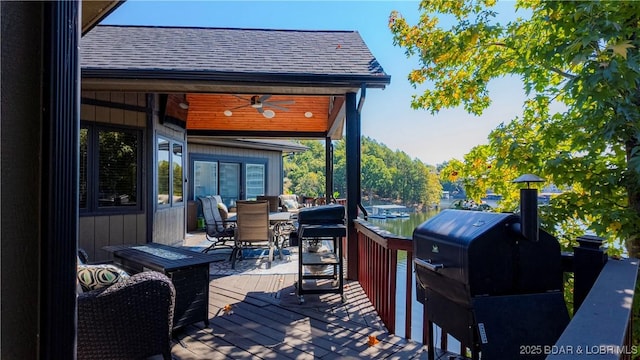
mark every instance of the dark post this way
{"type": "Point", "coordinates": [588, 260]}
{"type": "Point", "coordinates": [353, 182]}
{"type": "Point", "coordinates": [59, 217]}
{"type": "Point", "coordinates": [328, 151]}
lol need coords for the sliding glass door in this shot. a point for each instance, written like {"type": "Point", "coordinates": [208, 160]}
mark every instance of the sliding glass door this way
{"type": "Point", "coordinates": [205, 178]}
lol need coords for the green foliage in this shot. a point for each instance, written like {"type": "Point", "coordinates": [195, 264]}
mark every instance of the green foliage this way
{"type": "Point", "coordinates": [385, 173]}
{"type": "Point", "coordinates": [305, 172]}
{"type": "Point", "coordinates": [580, 68]}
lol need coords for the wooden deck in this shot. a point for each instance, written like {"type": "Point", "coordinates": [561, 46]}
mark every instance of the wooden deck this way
{"type": "Point", "coordinates": [266, 322]}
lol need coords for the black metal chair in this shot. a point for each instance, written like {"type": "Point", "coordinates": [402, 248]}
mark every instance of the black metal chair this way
{"type": "Point", "coordinates": [218, 231]}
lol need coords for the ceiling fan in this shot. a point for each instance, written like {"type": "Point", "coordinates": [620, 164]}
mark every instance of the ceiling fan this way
{"type": "Point", "coordinates": [259, 102]}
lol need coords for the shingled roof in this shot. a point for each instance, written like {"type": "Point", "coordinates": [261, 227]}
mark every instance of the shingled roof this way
{"type": "Point", "coordinates": [185, 52]}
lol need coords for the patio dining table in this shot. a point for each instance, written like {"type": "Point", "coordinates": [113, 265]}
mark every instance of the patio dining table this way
{"type": "Point", "coordinates": [275, 218]}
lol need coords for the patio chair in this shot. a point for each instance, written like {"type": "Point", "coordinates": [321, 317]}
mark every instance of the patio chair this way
{"type": "Point", "coordinates": [290, 202]}
{"type": "Point", "coordinates": [274, 202]}
{"type": "Point", "coordinates": [131, 319]}
{"type": "Point", "coordinates": [253, 230]}
{"type": "Point", "coordinates": [218, 231]}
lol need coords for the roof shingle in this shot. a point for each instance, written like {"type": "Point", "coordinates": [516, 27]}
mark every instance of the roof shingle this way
{"type": "Point", "coordinates": [259, 51]}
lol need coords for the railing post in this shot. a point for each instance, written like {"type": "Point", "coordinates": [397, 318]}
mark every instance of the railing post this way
{"type": "Point", "coordinates": [588, 260]}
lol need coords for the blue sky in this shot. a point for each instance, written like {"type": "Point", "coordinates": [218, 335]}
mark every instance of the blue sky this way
{"type": "Point", "coordinates": [387, 116]}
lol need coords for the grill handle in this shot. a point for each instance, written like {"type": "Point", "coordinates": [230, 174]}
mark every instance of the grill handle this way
{"type": "Point", "coordinates": [429, 265]}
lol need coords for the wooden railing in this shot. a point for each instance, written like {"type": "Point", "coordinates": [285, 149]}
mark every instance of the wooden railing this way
{"type": "Point", "coordinates": [377, 270]}
{"type": "Point", "coordinates": [602, 326]}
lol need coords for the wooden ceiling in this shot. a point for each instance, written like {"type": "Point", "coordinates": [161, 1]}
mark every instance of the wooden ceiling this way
{"type": "Point", "coordinates": [206, 112]}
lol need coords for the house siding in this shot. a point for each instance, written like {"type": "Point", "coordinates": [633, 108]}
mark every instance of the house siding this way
{"type": "Point", "coordinates": [169, 223]}
{"type": "Point", "coordinates": [97, 231]}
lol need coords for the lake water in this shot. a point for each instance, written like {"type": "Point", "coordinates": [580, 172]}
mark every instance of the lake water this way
{"type": "Point", "coordinates": [405, 227]}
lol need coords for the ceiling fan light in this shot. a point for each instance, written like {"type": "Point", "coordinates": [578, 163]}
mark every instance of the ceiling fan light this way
{"type": "Point", "coordinates": [268, 114]}
{"type": "Point", "coordinates": [227, 113]}
{"type": "Point", "coordinates": [308, 114]}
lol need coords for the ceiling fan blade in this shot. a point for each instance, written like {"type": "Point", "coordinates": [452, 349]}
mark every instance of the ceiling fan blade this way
{"type": "Point", "coordinates": [238, 107]}
{"type": "Point", "coordinates": [260, 110]}
{"type": "Point", "coordinates": [276, 107]}
{"type": "Point", "coordinates": [264, 98]}
{"type": "Point", "coordinates": [281, 102]}
{"type": "Point", "coordinates": [241, 98]}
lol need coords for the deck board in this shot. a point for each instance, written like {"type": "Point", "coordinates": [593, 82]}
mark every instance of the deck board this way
{"type": "Point", "coordinates": [267, 322]}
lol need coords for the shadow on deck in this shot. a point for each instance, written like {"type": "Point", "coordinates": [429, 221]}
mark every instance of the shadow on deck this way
{"type": "Point", "coordinates": [266, 322]}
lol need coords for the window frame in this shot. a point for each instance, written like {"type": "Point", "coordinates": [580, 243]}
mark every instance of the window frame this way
{"type": "Point", "coordinates": [156, 188]}
{"type": "Point", "coordinates": [93, 208]}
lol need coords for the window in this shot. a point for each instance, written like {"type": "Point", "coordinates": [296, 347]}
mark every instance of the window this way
{"type": "Point", "coordinates": [110, 163]}
{"type": "Point", "coordinates": [205, 178]}
{"type": "Point", "coordinates": [169, 171]}
{"type": "Point", "coordinates": [231, 177]}
{"type": "Point", "coordinates": [255, 180]}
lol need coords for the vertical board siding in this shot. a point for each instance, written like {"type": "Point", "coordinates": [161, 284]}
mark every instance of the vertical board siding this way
{"type": "Point", "coordinates": [129, 229]}
{"type": "Point", "coordinates": [141, 228]}
{"type": "Point", "coordinates": [116, 232]}
{"type": "Point", "coordinates": [101, 237]}
{"type": "Point", "coordinates": [168, 226]}
{"type": "Point", "coordinates": [86, 236]}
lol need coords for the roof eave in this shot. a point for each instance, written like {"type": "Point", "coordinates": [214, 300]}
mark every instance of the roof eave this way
{"type": "Point", "coordinates": [320, 80]}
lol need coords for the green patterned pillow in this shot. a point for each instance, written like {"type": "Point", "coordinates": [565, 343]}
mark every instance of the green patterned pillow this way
{"type": "Point", "coordinates": [92, 277]}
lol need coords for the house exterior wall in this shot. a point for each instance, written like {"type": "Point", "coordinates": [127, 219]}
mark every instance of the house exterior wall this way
{"type": "Point", "coordinates": [273, 158]}
{"type": "Point", "coordinates": [169, 223]}
{"type": "Point", "coordinates": [153, 223]}
{"type": "Point", "coordinates": [99, 230]}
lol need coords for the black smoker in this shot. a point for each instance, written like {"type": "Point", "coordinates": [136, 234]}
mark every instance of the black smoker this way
{"type": "Point", "coordinates": [493, 281]}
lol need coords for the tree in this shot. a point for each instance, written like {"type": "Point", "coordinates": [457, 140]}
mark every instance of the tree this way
{"type": "Point", "coordinates": [375, 175]}
{"type": "Point", "coordinates": [579, 65]}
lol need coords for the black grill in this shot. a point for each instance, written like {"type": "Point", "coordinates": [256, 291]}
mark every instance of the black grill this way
{"type": "Point", "coordinates": [487, 285]}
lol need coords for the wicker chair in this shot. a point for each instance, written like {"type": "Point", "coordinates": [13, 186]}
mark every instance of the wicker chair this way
{"type": "Point", "coordinates": [131, 319]}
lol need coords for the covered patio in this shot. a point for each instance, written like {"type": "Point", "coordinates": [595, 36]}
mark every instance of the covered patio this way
{"type": "Point", "coordinates": [44, 95]}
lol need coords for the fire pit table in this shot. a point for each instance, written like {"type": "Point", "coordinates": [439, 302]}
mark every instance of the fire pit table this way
{"type": "Point", "coordinates": [188, 271]}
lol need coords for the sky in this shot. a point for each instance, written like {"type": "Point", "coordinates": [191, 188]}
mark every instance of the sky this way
{"type": "Point", "coordinates": [387, 116]}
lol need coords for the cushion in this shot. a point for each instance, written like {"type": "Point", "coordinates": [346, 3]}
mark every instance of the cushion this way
{"type": "Point", "coordinates": [224, 212]}
{"type": "Point", "coordinates": [92, 277]}
{"type": "Point", "coordinates": [291, 204]}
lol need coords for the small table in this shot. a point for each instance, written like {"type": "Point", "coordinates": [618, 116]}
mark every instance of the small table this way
{"type": "Point", "coordinates": [188, 271]}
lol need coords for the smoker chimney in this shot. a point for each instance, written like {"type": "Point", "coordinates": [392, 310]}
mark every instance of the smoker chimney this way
{"type": "Point", "coordinates": [529, 207]}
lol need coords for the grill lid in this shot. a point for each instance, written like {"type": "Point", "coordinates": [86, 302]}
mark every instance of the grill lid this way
{"type": "Point", "coordinates": [461, 226]}
{"type": "Point", "coordinates": [324, 214]}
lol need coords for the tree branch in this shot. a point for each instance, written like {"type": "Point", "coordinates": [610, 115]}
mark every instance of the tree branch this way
{"type": "Point", "coordinates": [555, 70]}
